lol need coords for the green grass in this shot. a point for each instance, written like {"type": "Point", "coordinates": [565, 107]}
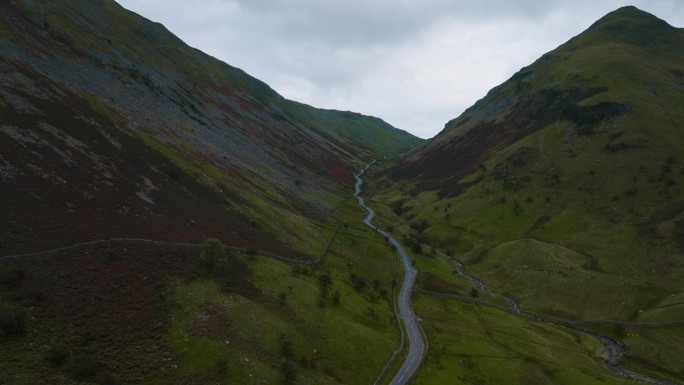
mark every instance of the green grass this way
{"type": "Point", "coordinates": [201, 307]}
{"type": "Point", "coordinates": [656, 351]}
{"type": "Point", "coordinates": [471, 344]}
{"type": "Point", "coordinates": [349, 342]}
{"type": "Point", "coordinates": [539, 274]}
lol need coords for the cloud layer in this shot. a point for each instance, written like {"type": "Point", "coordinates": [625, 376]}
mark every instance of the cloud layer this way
{"type": "Point", "coordinates": [414, 63]}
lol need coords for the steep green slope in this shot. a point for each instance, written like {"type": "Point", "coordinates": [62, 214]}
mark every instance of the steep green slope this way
{"type": "Point", "coordinates": [563, 186]}
{"type": "Point", "coordinates": [346, 128]}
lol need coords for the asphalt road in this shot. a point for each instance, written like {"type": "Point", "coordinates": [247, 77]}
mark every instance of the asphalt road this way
{"type": "Point", "coordinates": [415, 339]}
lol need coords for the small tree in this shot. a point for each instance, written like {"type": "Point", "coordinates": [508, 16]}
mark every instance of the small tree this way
{"type": "Point", "coordinates": [336, 297]}
{"type": "Point", "coordinates": [359, 283]}
{"type": "Point", "coordinates": [287, 349]}
{"type": "Point", "coordinates": [325, 279]}
{"type": "Point", "coordinates": [213, 256]}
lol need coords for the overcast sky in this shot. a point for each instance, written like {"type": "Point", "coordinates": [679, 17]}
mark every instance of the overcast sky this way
{"type": "Point", "coordinates": [414, 63]}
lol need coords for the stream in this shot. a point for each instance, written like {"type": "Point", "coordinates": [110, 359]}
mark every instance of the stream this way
{"type": "Point", "coordinates": [615, 350]}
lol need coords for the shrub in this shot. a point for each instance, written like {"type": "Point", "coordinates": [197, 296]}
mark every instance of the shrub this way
{"type": "Point", "coordinates": [325, 279]}
{"type": "Point", "coordinates": [57, 355]}
{"type": "Point", "coordinates": [336, 297]}
{"type": "Point", "coordinates": [359, 283]}
{"type": "Point", "coordinates": [587, 115]}
{"type": "Point", "coordinates": [11, 323]}
{"type": "Point", "coordinates": [221, 366]}
{"type": "Point", "coordinates": [420, 226]}
{"type": "Point", "coordinates": [105, 379]}
{"type": "Point", "coordinates": [82, 366]}
{"type": "Point", "coordinates": [9, 279]}
{"type": "Point", "coordinates": [322, 296]}
{"type": "Point", "coordinates": [299, 269]}
{"type": "Point", "coordinates": [383, 292]}
{"type": "Point", "coordinates": [398, 207]}
{"type": "Point", "coordinates": [213, 256]}
{"type": "Point", "coordinates": [287, 349]}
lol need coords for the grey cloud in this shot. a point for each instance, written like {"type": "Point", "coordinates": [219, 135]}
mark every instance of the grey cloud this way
{"type": "Point", "coordinates": [415, 63]}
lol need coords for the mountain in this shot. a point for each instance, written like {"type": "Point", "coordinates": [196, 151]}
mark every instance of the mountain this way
{"type": "Point", "coordinates": [123, 152]}
{"type": "Point", "coordinates": [627, 57]}
{"type": "Point", "coordinates": [109, 121]}
{"type": "Point", "coordinates": [563, 189]}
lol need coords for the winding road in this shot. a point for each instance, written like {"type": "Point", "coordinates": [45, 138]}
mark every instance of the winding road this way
{"type": "Point", "coordinates": [417, 347]}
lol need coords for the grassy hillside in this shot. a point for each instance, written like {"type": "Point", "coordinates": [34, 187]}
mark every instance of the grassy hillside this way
{"type": "Point", "coordinates": [563, 187]}
{"type": "Point", "coordinates": [152, 314]}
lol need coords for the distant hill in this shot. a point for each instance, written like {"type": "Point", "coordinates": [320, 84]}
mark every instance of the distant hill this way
{"type": "Point", "coordinates": [112, 126]}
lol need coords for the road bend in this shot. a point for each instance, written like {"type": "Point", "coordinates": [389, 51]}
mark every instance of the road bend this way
{"type": "Point", "coordinates": [416, 344]}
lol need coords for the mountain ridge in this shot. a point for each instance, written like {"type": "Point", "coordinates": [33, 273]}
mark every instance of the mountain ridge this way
{"type": "Point", "coordinates": [496, 102]}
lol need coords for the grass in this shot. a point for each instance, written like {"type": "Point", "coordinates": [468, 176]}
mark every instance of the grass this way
{"type": "Point", "coordinates": [287, 308]}
{"type": "Point", "coordinates": [219, 329]}
{"type": "Point", "coordinates": [470, 344]}
{"type": "Point", "coordinates": [201, 332]}
{"type": "Point", "coordinates": [656, 351]}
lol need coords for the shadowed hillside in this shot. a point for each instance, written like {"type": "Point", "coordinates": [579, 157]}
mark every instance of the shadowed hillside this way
{"type": "Point", "coordinates": [110, 121]}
